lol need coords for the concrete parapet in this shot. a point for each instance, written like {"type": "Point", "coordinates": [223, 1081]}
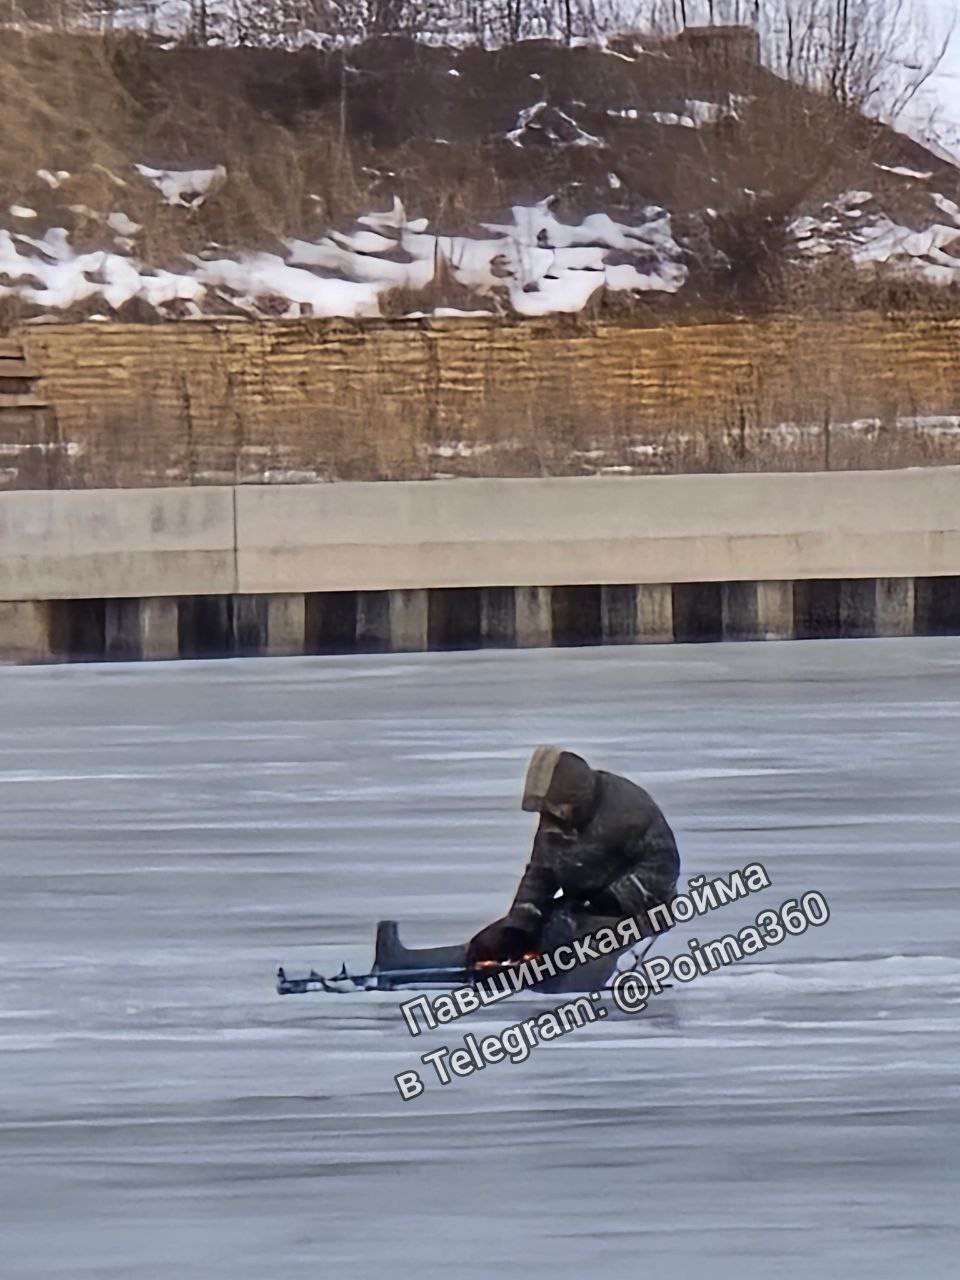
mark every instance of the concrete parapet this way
{"type": "Point", "coordinates": [113, 543]}
{"type": "Point", "coordinates": [598, 531]}
{"type": "Point", "coordinates": [486, 563]}
{"type": "Point", "coordinates": [562, 533]}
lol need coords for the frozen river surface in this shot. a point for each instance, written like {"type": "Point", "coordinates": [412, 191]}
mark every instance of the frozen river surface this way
{"type": "Point", "coordinates": [169, 833]}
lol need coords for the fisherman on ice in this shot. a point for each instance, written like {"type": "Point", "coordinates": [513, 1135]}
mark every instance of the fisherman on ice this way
{"type": "Point", "coordinates": [603, 851]}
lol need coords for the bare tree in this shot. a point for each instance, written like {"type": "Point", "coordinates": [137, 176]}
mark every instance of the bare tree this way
{"type": "Point", "coordinates": [871, 54]}
{"type": "Point", "coordinates": [875, 55]}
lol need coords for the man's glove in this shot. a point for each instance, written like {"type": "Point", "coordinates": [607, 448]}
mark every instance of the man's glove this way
{"type": "Point", "coordinates": [508, 939]}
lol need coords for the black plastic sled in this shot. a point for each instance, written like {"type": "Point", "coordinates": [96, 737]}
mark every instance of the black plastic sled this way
{"type": "Point", "coordinates": [396, 966]}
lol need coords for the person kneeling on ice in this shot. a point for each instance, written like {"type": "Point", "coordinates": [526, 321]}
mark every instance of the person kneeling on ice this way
{"type": "Point", "coordinates": [603, 851]}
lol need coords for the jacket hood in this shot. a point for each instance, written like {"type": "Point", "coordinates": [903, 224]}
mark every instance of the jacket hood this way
{"type": "Point", "coordinates": [556, 777]}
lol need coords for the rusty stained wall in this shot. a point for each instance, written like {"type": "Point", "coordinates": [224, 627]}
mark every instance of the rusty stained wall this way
{"type": "Point", "coordinates": [224, 402]}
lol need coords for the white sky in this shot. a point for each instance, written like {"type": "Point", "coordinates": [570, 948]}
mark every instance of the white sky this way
{"type": "Point", "coordinates": [938, 109]}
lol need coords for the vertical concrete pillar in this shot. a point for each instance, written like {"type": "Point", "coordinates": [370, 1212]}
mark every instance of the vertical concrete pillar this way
{"type": "Point", "coordinates": [618, 615]}
{"type": "Point", "coordinates": [206, 625]}
{"type": "Point", "coordinates": [498, 617]}
{"type": "Point", "coordinates": [331, 622]}
{"type": "Point", "coordinates": [858, 607]}
{"type": "Point", "coordinates": [758, 611]}
{"type": "Point", "coordinates": [895, 606]}
{"type": "Point", "coordinates": [816, 605]}
{"type": "Point", "coordinates": [697, 612]}
{"type": "Point", "coordinates": [249, 625]}
{"type": "Point", "coordinates": [654, 623]}
{"type": "Point", "coordinates": [159, 628]}
{"type": "Point", "coordinates": [121, 629]}
{"type": "Point", "coordinates": [937, 608]}
{"type": "Point", "coordinates": [286, 625]}
{"type": "Point", "coordinates": [409, 620]}
{"type": "Point", "coordinates": [453, 618]}
{"type": "Point", "coordinates": [534, 617]}
{"type": "Point", "coordinates": [25, 631]}
{"type": "Point", "coordinates": [373, 621]}
{"type": "Point", "coordinates": [576, 616]}
{"type": "Point", "coordinates": [775, 610]}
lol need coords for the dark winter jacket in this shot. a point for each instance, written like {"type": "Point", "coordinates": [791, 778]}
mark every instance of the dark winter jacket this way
{"type": "Point", "coordinates": [602, 840]}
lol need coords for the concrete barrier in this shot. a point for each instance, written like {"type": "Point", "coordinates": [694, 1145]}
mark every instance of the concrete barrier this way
{"type": "Point", "coordinates": [109, 543]}
{"type": "Point", "coordinates": [666, 529]}
{"type": "Point", "coordinates": [203, 572]}
{"type": "Point", "coordinates": [470, 533]}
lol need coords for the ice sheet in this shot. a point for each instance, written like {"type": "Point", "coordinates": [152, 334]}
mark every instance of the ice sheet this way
{"type": "Point", "coordinates": [171, 832]}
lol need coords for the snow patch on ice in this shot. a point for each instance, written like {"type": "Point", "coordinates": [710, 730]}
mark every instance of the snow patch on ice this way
{"type": "Point", "coordinates": [22, 211]}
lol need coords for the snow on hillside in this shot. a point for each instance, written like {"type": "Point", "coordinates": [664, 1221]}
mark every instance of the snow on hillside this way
{"type": "Point", "coordinates": [531, 181]}
{"type": "Point", "coordinates": [856, 225]}
{"type": "Point", "coordinates": [542, 265]}
{"type": "Point", "coordinates": [534, 263]}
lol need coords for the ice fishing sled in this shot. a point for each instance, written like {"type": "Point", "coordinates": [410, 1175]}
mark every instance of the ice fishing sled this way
{"type": "Point", "coordinates": [396, 967]}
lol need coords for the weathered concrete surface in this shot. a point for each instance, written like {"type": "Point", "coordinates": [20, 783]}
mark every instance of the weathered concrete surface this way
{"type": "Point", "coordinates": [24, 631]}
{"type": "Point", "coordinates": [664, 529]}
{"type": "Point", "coordinates": [759, 611]}
{"type": "Point", "coordinates": [654, 613]}
{"type": "Point", "coordinates": [408, 620]}
{"type": "Point", "coordinates": [106, 543]}
{"type": "Point", "coordinates": [895, 604]}
{"type": "Point", "coordinates": [368, 537]}
{"type": "Point", "coordinates": [533, 617]}
{"type": "Point", "coordinates": [286, 619]}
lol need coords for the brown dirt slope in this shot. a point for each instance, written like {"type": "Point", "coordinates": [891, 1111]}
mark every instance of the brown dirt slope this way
{"type": "Point", "coordinates": [309, 140]}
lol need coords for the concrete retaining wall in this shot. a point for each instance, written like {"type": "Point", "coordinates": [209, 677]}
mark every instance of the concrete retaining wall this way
{"type": "Point", "coordinates": [474, 617]}
{"type": "Point", "coordinates": [117, 542]}
{"type": "Point", "coordinates": [662, 529]}
{"type": "Point", "coordinates": [478, 533]}
{"type": "Point", "coordinates": [334, 568]}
